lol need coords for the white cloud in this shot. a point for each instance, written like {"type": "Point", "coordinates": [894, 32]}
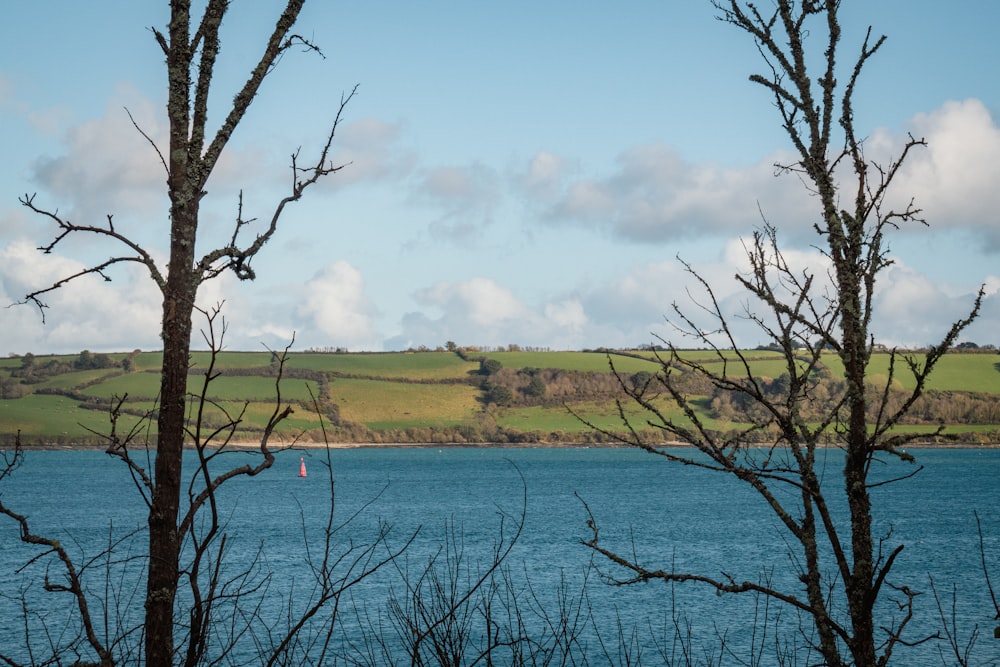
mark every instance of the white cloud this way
{"type": "Point", "coordinates": [108, 167]}
{"type": "Point", "coordinates": [481, 312]}
{"type": "Point", "coordinates": [451, 183]}
{"type": "Point", "coordinates": [655, 196]}
{"type": "Point", "coordinates": [87, 312]}
{"type": "Point", "coordinates": [912, 310]}
{"type": "Point", "coordinates": [544, 174]}
{"type": "Point", "coordinates": [480, 300]}
{"type": "Point", "coordinates": [650, 195]}
{"type": "Point", "coordinates": [334, 303]}
{"type": "Point", "coordinates": [371, 150]}
{"type": "Point", "coordinates": [17, 223]}
{"type": "Point", "coordinates": [105, 166]}
{"type": "Point", "coordinates": [466, 198]}
{"type": "Point", "coordinates": [991, 285]}
{"type": "Point", "coordinates": [587, 200]}
{"type": "Point", "coordinates": [637, 308]}
{"type": "Point", "coordinates": [645, 293]}
{"type": "Point", "coordinates": [954, 179]}
{"type": "Point", "coordinates": [568, 314]}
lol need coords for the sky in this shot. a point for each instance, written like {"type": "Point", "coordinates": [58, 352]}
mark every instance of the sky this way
{"type": "Point", "coordinates": [529, 173]}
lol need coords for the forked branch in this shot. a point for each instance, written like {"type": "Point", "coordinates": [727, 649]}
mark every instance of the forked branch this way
{"type": "Point", "coordinates": [66, 228]}
{"type": "Point", "coordinates": [238, 259]}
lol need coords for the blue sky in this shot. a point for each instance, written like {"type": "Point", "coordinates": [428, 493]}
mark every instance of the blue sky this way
{"type": "Point", "coordinates": [520, 172]}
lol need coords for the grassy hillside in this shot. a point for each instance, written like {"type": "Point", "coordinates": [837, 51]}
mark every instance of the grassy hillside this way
{"type": "Point", "coordinates": [439, 396]}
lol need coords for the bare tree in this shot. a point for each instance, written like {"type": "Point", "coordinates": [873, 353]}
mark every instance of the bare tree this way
{"type": "Point", "coordinates": [221, 613]}
{"type": "Point", "coordinates": [190, 47]}
{"type": "Point", "coordinates": [843, 568]}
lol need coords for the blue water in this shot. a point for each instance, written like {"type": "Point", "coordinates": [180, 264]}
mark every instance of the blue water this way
{"type": "Point", "coordinates": [664, 514]}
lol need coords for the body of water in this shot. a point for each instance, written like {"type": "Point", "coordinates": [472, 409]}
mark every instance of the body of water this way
{"type": "Point", "coordinates": [664, 514]}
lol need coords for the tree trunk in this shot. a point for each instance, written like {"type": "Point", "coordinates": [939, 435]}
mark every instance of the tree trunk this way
{"type": "Point", "coordinates": [164, 539]}
{"type": "Point", "coordinates": [190, 58]}
{"type": "Point", "coordinates": [859, 586]}
{"type": "Point", "coordinates": [178, 303]}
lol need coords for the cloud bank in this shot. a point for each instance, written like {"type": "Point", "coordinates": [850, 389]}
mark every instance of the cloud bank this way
{"type": "Point", "coordinates": [638, 210]}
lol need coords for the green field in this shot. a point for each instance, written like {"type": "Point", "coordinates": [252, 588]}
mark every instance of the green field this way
{"type": "Point", "coordinates": [41, 416]}
{"type": "Point", "coordinates": [404, 396]}
{"type": "Point", "coordinates": [574, 361]}
{"type": "Point", "coordinates": [405, 365]}
{"type": "Point", "coordinates": [225, 388]}
{"type": "Point", "coordinates": [382, 405]}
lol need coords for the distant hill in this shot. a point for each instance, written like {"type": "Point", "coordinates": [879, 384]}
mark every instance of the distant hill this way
{"type": "Point", "coordinates": [462, 396]}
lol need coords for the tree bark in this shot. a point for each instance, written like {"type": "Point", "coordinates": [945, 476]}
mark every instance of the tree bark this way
{"type": "Point", "coordinates": [859, 591]}
{"type": "Point", "coordinates": [178, 303]}
{"type": "Point", "coordinates": [843, 566]}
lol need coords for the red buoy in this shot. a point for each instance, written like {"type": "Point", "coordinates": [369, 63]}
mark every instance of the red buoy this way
{"type": "Point", "coordinates": [302, 467]}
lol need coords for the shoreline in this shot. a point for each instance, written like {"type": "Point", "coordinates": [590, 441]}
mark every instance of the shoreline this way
{"type": "Point", "coordinates": [311, 445]}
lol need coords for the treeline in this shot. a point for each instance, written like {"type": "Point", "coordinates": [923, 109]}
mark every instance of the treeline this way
{"type": "Point", "coordinates": [527, 387]}
{"type": "Point", "coordinates": [482, 433]}
{"type": "Point", "coordinates": [554, 387]}
{"type": "Point", "coordinates": [33, 371]}
{"type": "Point", "coordinates": [548, 387]}
{"type": "Point", "coordinates": [18, 383]}
{"type": "Point", "coordinates": [825, 393]}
